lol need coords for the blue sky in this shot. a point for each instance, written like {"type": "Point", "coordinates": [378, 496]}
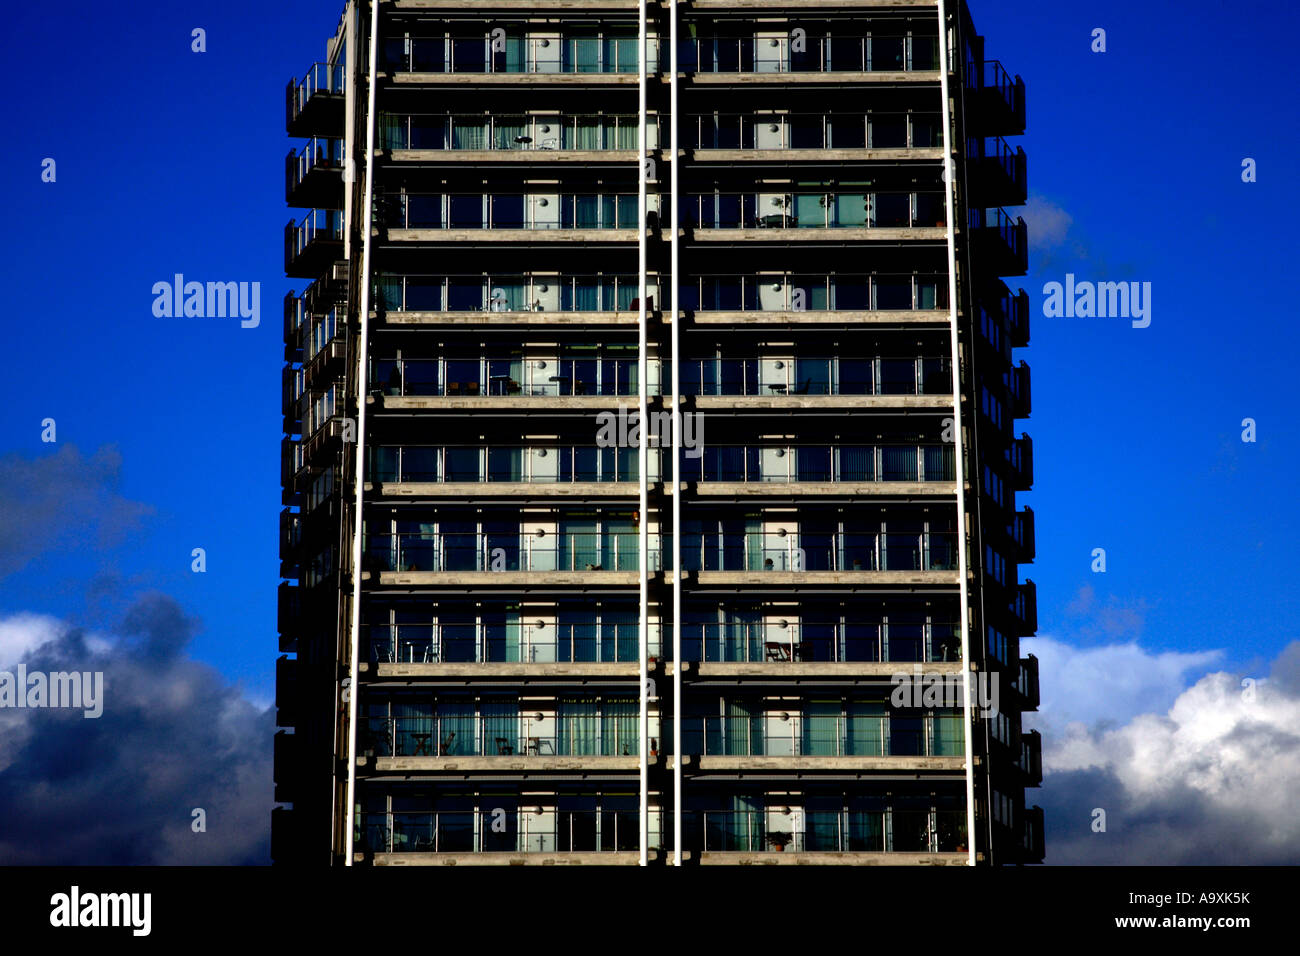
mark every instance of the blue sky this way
{"type": "Point", "coordinates": [172, 161]}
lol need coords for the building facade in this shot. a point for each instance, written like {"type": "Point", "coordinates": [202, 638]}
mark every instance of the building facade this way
{"type": "Point", "coordinates": [650, 464]}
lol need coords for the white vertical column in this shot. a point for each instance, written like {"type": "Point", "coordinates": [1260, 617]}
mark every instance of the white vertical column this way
{"type": "Point", "coordinates": [643, 368]}
{"type": "Point", "coordinates": [363, 342]}
{"type": "Point", "coordinates": [950, 185]}
{"type": "Point", "coordinates": [352, 21]}
{"type": "Point", "coordinates": [678, 423]}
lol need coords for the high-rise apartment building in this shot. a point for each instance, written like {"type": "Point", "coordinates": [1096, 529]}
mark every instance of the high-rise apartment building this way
{"type": "Point", "coordinates": [775, 623]}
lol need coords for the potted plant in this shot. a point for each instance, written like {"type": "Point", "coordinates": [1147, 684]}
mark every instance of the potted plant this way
{"type": "Point", "coordinates": [779, 839]}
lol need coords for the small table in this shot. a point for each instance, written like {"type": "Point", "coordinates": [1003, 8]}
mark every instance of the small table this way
{"type": "Point", "coordinates": [421, 744]}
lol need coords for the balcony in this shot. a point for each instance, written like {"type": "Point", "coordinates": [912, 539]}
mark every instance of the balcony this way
{"type": "Point", "coordinates": [873, 469]}
{"type": "Point", "coordinates": [1031, 758]}
{"type": "Point", "coordinates": [766, 56]}
{"type": "Point", "coordinates": [311, 245]}
{"type": "Point", "coordinates": [798, 641]}
{"type": "Point", "coordinates": [899, 836]}
{"type": "Point", "coordinates": [805, 217]}
{"type": "Point", "coordinates": [314, 104]}
{"type": "Point", "coordinates": [509, 743]}
{"type": "Point", "coordinates": [532, 834]}
{"type": "Point", "coordinates": [328, 289]}
{"type": "Point", "coordinates": [290, 544]}
{"type": "Point", "coordinates": [542, 138]}
{"type": "Point", "coordinates": [406, 383]}
{"type": "Point", "coordinates": [294, 317]}
{"type": "Point", "coordinates": [502, 217]}
{"type": "Point", "coordinates": [1033, 835]}
{"type": "Point", "coordinates": [814, 375]}
{"type": "Point", "coordinates": [547, 56]}
{"type": "Point", "coordinates": [290, 393]}
{"type": "Point", "coordinates": [1023, 531]}
{"type": "Point", "coordinates": [288, 615]}
{"type": "Point", "coordinates": [1021, 456]}
{"type": "Point", "coordinates": [1027, 682]}
{"type": "Point", "coordinates": [518, 642]}
{"type": "Point", "coordinates": [561, 299]}
{"type": "Point", "coordinates": [802, 551]}
{"type": "Point", "coordinates": [718, 299]}
{"type": "Point", "coordinates": [611, 299]}
{"type": "Point", "coordinates": [550, 557]}
{"type": "Point", "coordinates": [290, 466]}
{"type": "Point", "coordinates": [1018, 384]}
{"type": "Point", "coordinates": [286, 691]}
{"type": "Point", "coordinates": [313, 174]}
{"type": "Point", "coordinates": [999, 173]}
{"type": "Point", "coordinates": [566, 733]}
{"type": "Point", "coordinates": [1025, 607]}
{"type": "Point", "coordinates": [1017, 312]}
{"type": "Point", "coordinates": [284, 761]}
{"type": "Point", "coordinates": [285, 838]}
{"type": "Point", "coordinates": [999, 100]}
{"type": "Point", "coordinates": [809, 550]}
{"type": "Point", "coordinates": [868, 731]}
{"type": "Point", "coordinates": [791, 137]}
{"type": "Point", "coordinates": [1000, 243]}
{"type": "Point", "coordinates": [416, 470]}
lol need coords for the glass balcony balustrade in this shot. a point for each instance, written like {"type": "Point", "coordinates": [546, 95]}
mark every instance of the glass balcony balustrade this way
{"type": "Point", "coordinates": [544, 132]}
{"type": "Point", "coordinates": [714, 463]}
{"type": "Point", "coordinates": [794, 550]}
{"type": "Point", "coordinates": [808, 640]}
{"type": "Point", "coordinates": [813, 293]}
{"type": "Point", "coordinates": [509, 829]}
{"type": "Point", "coordinates": [497, 463]}
{"type": "Point", "coordinates": [807, 550]}
{"type": "Point", "coordinates": [740, 552]}
{"type": "Point", "coordinates": [512, 376]}
{"type": "Point", "coordinates": [608, 733]}
{"type": "Point", "coordinates": [777, 50]}
{"type": "Point", "coordinates": [518, 641]}
{"type": "Point", "coordinates": [508, 551]}
{"type": "Point", "coordinates": [892, 827]}
{"type": "Point", "coordinates": [813, 210]}
{"type": "Point", "coordinates": [867, 730]}
{"type": "Point", "coordinates": [511, 293]}
{"type": "Point", "coordinates": [816, 375]}
{"type": "Point", "coordinates": [508, 211]}
{"type": "Point", "coordinates": [619, 293]}
{"type": "Point", "coordinates": [611, 48]}
{"type": "Point", "coordinates": [789, 131]}
{"type": "Point", "coordinates": [900, 829]}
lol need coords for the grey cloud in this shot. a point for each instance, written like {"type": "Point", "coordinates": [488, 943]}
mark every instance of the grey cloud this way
{"type": "Point", "coordinates": [119, 790]}
{"type": "Point", "coordinates": [59, 501]}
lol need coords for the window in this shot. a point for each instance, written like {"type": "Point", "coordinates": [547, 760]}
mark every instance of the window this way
{"type": "Point", "coordinates": [1004, 809]}
{"type": "Point", "coordinates": [995, 565]}
{"type": "Point", "coordinates": [991, 405]}
{"type": "Point", "coordinates": [993, 486]}
{"type": "Point", "coordinates": [997, 642]}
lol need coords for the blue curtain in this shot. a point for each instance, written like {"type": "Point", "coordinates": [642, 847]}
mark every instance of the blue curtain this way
{"type": "Point", "coordinates": [501, 726]}
{"type": "Point", "coordinates": [865, 729]}
{"type": "Point", "coordinates": [455, 732]}
{"type": "Point", "coordinates": [619, 720]}
{"type": "Point", "coordinates": [577, 727]}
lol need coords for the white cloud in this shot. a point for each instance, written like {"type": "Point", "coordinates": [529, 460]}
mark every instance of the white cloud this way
{"type": "Point", "coordinates": [20, 634]}
{"type": "Point", "coordinates": [1049, 224]}
{"type": "Point", "coordinates": [1209, 778]}
{"type": "Point", "coordinates": [1113, 682]}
